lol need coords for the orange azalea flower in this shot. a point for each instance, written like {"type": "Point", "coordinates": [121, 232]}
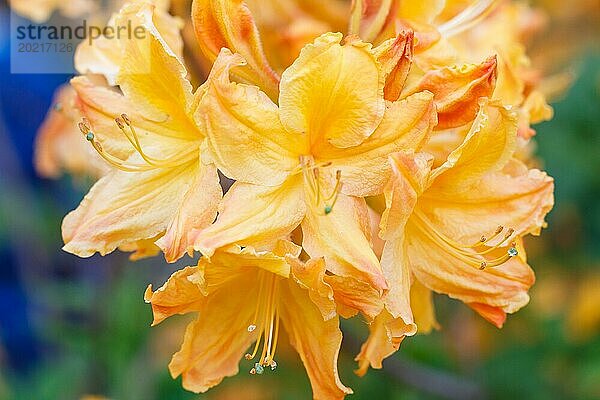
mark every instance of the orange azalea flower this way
{"type": "Point", "coordinates": [457, 229]}
{"type": "Point", "coordinates": [310, 160]}
{"type": "Point", "coordinates": [151, 135]}
{"type": "Point", "coordinates": [243, 296]}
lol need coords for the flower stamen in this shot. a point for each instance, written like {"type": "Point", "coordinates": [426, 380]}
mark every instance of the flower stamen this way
{"type": "Point", "coordinates": [267, 310]}
{"type": "Point", "coordinates": [472, 255]}
{"type": "Point", "coordinates": [312, 180]}
{"type": "Point", "coordinates": [468, 18]}
{"type": "Point", "coordinates": [125, 126]}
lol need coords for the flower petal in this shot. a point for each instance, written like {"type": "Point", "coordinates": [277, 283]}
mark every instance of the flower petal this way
{"type": "Point", "coordinates": [504, 287]}
{"type": "Point", "coordinates": [342, 238]}
{"type": "Point", "coordinates": [316, 341]}
{"type": "Point", "coordinates": [254, 215]}
{"type": "Point", "coordinates": [245, 136]}
{"type": "Point", "coordinates": [215, 342]}
{"type": "Point", "coordinates": [181, 294]}
{"type": "Point", "coordinates": [321, 95]}
{"type": "Point", "coordinates": [229, 24]}
{"type": "Point", "coordinates": [198, 209]}
{"type": "Point", "coordinates": [395, 56]}
{"type": "Point", "coordinates": [515, 198]}
{"type": "Point", "coordinates": [155, 81]}
{"type": "Point", "coordinates": [365, 168]}
{"type": "Point", "coordinates": [488, 146]}
{"type": "Point", "coordinates": [124, 207]}
{"type": "Point", "coordinates": [457, 90]}
{"type": "Point", "coordinates": [385, 336]}
{"type": "Point", "coordinates": [104, 55]}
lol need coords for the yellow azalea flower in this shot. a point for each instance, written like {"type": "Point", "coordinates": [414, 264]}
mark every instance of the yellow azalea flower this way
{"type": "Point", "coordinates": [457, 229]}
{"type": "Point", "coordinates": [151, 135]}
{"type": "Point", "coordinates": [105, 55]}
{"type": "Point", "coordinates": [243, 296]}
{"type": "Point", "coordinates": [58, 145]}
{"type": "Point", "coordinates": [41, 10]}
{"type": "Point", "coordinates": [309, 160]}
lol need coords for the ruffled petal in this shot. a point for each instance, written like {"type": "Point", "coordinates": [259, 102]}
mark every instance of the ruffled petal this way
{"type": "Point", "coordinates": [245, 136]}
{"type": "Point", "coordinates": [317, 342]}
{"type": "Point", "coordinates": [124, 207]}
{"type": "Point", "coordinates": [59, 146]}
{"type": "Point", "coordinates": [504, 287]}
{"type": "Point", "coordinates": [342, 238]}
{"type": "Point", "coordinates": [105, 55]}
{"type": "Point", "coordinates": [181, 294]}
{"type": "Point", "coordinates": [197, 210]}
{"type": "Point", "coordinates": [254, 215]}
{"type": "Point", "coordinates": [385, 336]}
{"type": "Point", "coordinates": [457, 91]}
{"type": "Point", "coordinates": [515, 197]}
{"type": "Point", "coordinates": [332, 92]}
{"type": "Point", "coordinates": [395, 56]}
{"type": "Point", "coordinates": [230, 24]}
{"type": "Point", "coordinates": [155, 81]}
{"type": "Point", "coordinates": [365, 168]}
{"type": "Point", "coordinates": [487, 147]}
{"type": "Point", "coordinates": [216, 341]}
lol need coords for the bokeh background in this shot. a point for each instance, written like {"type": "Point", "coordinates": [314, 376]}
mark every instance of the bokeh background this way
{"type": "Point", "coordinates": [75, 329]}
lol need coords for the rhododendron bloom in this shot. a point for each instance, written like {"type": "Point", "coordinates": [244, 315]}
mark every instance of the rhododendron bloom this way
{"type": "Point", "coordinates": [310, 160]}
{"type": "Point", "coordinates": [242, 297]}
{"type": "Point", "coordinates": [457, 228]}
{"type": "Point", "coordinates": [151, 135]}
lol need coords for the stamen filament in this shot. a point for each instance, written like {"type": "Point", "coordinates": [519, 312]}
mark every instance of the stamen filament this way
{"type": "Point", "coordinates": [467, 254]}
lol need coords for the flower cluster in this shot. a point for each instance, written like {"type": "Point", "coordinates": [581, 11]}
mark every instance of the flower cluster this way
{"type": "Point", "coordinates": [370, 169]}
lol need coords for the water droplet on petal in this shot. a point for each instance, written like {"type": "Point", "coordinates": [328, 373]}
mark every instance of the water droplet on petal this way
{"type": "Point", "coordinates": [513, 252]}
{"type": "Point", "coordinates": [251, 328]}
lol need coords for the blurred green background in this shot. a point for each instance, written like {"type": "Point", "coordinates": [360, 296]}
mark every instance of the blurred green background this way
{"type": "Point", "coordinates": [71, 328]}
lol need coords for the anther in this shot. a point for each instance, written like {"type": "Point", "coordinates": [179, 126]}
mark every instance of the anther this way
{"type": "Point", "coordinates": [126, 119]}
{"type": "Point", "coordinates": [248, 356]}
{"type": "Point", "coordinates": [119, 122]}
{"type": "Point", "coordinates": [253, 371]}
{"type": "Point", "coordinates": [258, 368]}
{"type": "Point", "coordinates": [482, 265]}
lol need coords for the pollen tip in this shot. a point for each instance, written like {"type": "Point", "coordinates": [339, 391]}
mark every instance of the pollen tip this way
{"type": "Point", "coordinates": [258, 368]}
{"type": "Point", "coordinates": [253, 371]}
{"type": "Point", "coordinates": [499, 229]}
{"type": "Point", "coordinates": [120, 123]}
{"type": "Point", "coordinates": [482, 239]}
{"type": "Point", "coordinates": [126, 119]}
{"type": "Point", "coordinates": [510, 232]}
{"type": "Point", "coordinates": [248, 356]}
{"type": "Point", "coordinates": [482, 265]}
